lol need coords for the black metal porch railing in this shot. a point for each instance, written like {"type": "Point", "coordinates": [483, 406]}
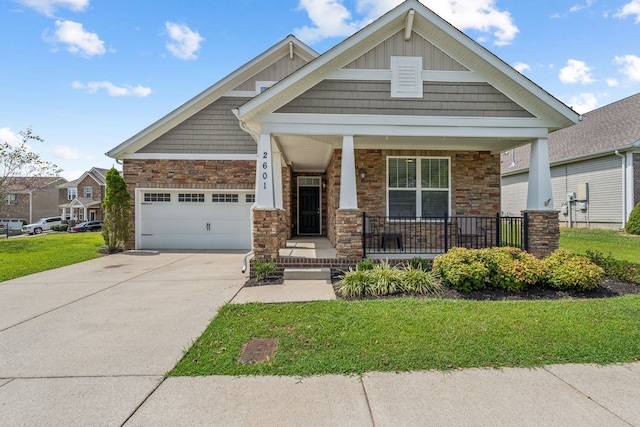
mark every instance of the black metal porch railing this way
{"type": "Point", "coordinates": [436, 235]}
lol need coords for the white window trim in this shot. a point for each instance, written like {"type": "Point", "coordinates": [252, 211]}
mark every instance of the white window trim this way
{"type": "Point", "coordinates": [72, 193]}
{"type": "Point", "coordinates": [406, 77]}
{"type": "Point", "coordinates": [264, 84]}
{"type": "Point", "coordinates": [417, 189]}
{"type": "Point", "coordinates": [11, 199]}
{"type": "Point", "coordinates": [86, 192]}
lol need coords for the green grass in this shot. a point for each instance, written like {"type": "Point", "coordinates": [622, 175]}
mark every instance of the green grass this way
{"type": "Point", "coordinates": [26, 255]}
{"type": "Point", "coordinates": [347, 337]}
{"type": "Point", "coordinates": [623, 247]}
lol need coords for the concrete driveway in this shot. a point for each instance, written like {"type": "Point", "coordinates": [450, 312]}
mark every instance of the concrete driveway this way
{"type": "Point", "coordinates": [88, 343]}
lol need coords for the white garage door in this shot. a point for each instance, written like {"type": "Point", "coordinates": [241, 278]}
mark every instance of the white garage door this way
{"type": "Point", "coordinates": [172, 219]}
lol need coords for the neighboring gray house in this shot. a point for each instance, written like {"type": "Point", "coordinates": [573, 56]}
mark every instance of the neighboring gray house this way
{"type": "Point", "coordinates": [29, 198]}
{"type": "Point", "coordinates": [595, 168]}
{"type": "Point", "coordinates": [405, 119]}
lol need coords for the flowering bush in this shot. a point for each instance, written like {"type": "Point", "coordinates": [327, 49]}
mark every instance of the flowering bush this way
{"type": "Point", "coordinates": [511, 268]}
{"type": "Point", "coordinates": [569, 272]}
{"type": "Point", "coordinates": [462, 269]}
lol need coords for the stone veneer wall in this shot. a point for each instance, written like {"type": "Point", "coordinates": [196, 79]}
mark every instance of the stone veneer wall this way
{"type": "Point", "coordinates": [267, 233]}
{"type": "Point", "coordinates": [544, 232]}
{"type": "Point", "coordinates": [333, 194]}
{"type": "Point", "coordinates": [287, 197]}
{"type": "Point", "coordinates": [349, 234]}
{"type": "Point", "coordinates": [188, 174]}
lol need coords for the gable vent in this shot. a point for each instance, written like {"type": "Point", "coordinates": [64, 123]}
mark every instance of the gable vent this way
{"type": "Point", "coordinates": [406, 79]}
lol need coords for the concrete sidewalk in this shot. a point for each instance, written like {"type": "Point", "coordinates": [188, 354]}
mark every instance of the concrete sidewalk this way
{"type": "Point", "coordinates": [89, 344]}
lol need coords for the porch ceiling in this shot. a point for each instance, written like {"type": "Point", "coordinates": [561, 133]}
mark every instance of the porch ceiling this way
{"type": "Point", "coordinates": [306, 153]}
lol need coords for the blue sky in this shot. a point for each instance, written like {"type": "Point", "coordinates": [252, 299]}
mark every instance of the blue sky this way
{"type": "Point", "coordinates": [86, 75]}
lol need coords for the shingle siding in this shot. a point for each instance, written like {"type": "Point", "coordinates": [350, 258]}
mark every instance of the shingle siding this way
{"type": "Point", "coordinates": [374, 97]}
{"type": "Point", "coordinates": [214, 130]}
{"type": "Point", "coordinates": [433, 58]}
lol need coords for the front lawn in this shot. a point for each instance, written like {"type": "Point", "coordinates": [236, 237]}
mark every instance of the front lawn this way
{"type": "Point", "coordinates": [352, 337]}
{"type": "Point", "coordinates": [623, 247]}
{"type": "Point", "coordinates": [27, 255]}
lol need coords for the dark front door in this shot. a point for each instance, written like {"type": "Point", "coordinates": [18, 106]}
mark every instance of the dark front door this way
{"type": "Point", "coordinates": [309, 210]}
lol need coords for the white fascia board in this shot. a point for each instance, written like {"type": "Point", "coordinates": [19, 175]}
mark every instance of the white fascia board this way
{"type": "Point", "coordinates": [187, 156]}
{"type": "Point", "coordinates": [427, 76]}
{"type": "Point", "coordinates": [277, 119]}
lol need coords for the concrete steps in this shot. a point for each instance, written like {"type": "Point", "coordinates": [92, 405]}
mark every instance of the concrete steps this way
{"type": "Point", "coordinates": [295, 274]}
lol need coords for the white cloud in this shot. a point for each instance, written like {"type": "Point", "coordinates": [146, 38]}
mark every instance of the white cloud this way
{"type": "Point", "coordinates": [48, 7]}
{"type": "Point", "coordinates": [113, 90]}
{"type": "Point", "coordinates": [584, 102]}
{"type": "Point", "coordinates": [185, 42]}
{"type": "Point", "coordinates": [630, 66]}
{"type": "Point", "coordinates": [612, 82]}
{"type": "Point", "coordinates": [576, 72]}
{"type": "Point", "coordinates": [579, 7]}
{"type": "Point", "coordinates": [10, 137]}
{"type": "Point", "coordinates": [331, 18]}
{"type": "Point", "coordinates": [521, 67]}
{"type": "Point", "coordinates": [78, 40]}
{"type": "Point", "coordinates": [631, 8]}
{"type": "Point", "coordinates": [69, 153]}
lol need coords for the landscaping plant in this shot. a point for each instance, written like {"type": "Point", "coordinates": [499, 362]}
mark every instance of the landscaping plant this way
{"type": "Point", "coordinates": [511, 268]}
{"type": "Point", "coordinates": [620, 269]}
{"type": "Point", "coordinates": [633, 224]}
{"type": "Point", "coordinates": [263, 269]}
{"type": "Point", "coordinates": [462, 269]}
{"type": "Point", "coordinates": [569, 272]}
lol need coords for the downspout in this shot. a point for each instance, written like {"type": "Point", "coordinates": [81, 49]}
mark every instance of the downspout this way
{"type": "Point", "coordinates": [624, 188]}
{"type": "Point", "coordinates": [248, 254]}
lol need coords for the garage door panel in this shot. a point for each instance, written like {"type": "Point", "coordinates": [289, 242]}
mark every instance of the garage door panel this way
{"type": "Point", "coordinates": [195, 225]}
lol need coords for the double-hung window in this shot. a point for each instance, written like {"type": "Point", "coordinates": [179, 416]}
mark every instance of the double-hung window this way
{"type": "Point", "coordinates": [418, 186]}
{"type": "Point", "coordinates": [72, 193]}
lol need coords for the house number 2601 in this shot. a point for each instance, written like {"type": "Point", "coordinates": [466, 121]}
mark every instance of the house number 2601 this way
{"type": "Point", "coordinates": [265, 166]}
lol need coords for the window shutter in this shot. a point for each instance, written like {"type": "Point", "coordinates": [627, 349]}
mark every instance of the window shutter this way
{"type": "Point", "coordinates": [406, 77]}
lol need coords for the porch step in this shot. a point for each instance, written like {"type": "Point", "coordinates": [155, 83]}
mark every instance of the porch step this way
{"type": "Point", "coordinates": [322, 273]}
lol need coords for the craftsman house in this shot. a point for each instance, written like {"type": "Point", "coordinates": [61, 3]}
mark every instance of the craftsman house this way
{"type": "Point", "coordinates": [595, 168]}
{"type": "Point", "coordinates": [402, 124]}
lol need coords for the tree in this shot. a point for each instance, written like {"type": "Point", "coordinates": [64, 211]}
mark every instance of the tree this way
{"type": "Point", "coordinates": [115, 228]}
{"type": "Point", "coordinates": [21, 169]}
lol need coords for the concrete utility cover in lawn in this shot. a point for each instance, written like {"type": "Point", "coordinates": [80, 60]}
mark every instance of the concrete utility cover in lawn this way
{"type": "Point", "coordinates": [258, 350]}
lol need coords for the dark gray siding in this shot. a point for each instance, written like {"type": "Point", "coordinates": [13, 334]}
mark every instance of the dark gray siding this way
{"type": "Point", "coordinates": [374, 97]}
{"type": "Point", "coordinates": [433, 58]}
{"type": "Point", "coordinates": [214, 130]}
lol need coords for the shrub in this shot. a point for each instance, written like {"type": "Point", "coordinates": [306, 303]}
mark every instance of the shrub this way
{"type": "Point", "coordinates": [355, 283]}
{"type": "Point", "coordinates": [365, 264]}
{"type": "Point", "coordinates": [569, 272]}
{"type": "Point", "coordinates": [263, 269]}
{"type": "Point", "coordinates": [419, 281]}
{"type": "Point", "coordinates": [462, 269]}
{"type": "Point", "coordinates": [385, 280]}
{"type": "Point", "coordinates": [622, 270]}
{"type": "Point", "coordinates": [420, 263]}
{"type": "Point", "coordinates": [511, 268]}
{"type": "Point", "coordinates": [633, 225]}
{"type": "Point", "coordinates": [59, 227]}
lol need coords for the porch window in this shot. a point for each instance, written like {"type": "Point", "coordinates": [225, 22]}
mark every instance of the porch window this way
{"type": "Point", "coordinates": [418, 186]}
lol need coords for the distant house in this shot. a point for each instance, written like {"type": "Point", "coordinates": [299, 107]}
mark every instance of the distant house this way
{"type": "Point", "coordinates": [595, 168]}
{"type": "Point", "coordinates": [30, 198]}
{"type": "Point", "coordinates": [82, 199]}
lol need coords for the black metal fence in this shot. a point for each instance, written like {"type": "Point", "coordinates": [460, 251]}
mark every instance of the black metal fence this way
{"type": "Point", "coordinates": [436, 235]}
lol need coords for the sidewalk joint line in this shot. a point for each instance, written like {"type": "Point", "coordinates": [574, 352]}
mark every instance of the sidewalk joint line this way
{"type": "Point", "coordinates": [591, 399]}
{"type": "Point", "coordinates": [143, 401]}
{"type": "Point", "coordinates": [366, 397]}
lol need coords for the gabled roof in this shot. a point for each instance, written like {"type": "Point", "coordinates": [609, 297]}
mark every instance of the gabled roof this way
{"type": "Point", "coordinates": [615, 126]}
{"type": "Point", "coordinates": [432, 27]}
{"type": "Point", "coordinates": [99, 175]}
{"type": "Point", "coordinates": [81, 202]}
{"type": "Point", "coordinates": [21, 184]}
{"type": "Point", "coordinates": [288, 45]}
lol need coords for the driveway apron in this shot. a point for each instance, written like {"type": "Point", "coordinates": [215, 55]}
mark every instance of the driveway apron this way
{"type": "Point", "coordinates": [86, 344]}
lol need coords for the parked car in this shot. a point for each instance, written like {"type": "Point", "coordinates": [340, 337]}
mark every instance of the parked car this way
{"type": "Point", "coordinates": [42, 224]}
{"type": "Point", "coordinates": [88, 226]}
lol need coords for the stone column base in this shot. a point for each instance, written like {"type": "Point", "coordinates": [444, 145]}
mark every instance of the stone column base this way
{"type": "Point", "coordinates": [544, 232]}
{"type": "Point", "coordinates": [349, 234]}
{"type": "Point", "coordinates": [267, 233]}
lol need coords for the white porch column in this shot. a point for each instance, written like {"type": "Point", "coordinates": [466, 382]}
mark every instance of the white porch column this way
{"type": "Point", "coordinates": [540, 196]}
{"type": "Point", "coordinates": [64, 213]}
{"type": "Point", "coordinates": [84, 213]}
{"type": "Point", "coordinates": [348, 191]}
{"type": "Point", "coordinates": [265, 196]}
